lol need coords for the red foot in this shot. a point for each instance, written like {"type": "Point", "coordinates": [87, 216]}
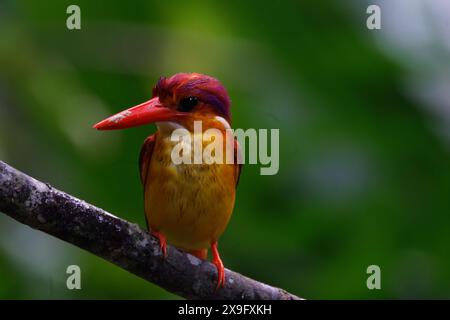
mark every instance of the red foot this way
{"type": "Point", "coordinates": [219, 265]}
{"type": "Point", "coordinates": [162, 242]}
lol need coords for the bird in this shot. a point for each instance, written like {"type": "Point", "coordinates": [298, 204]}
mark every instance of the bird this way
{"type": "Point", "coordinates": [186, 205]}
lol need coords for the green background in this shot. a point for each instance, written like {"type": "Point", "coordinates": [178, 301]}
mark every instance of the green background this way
{"type": "Point", "coordinates": [364, 151]}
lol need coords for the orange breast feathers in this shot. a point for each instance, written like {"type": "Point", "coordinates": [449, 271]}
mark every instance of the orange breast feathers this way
{"type": "Point", "coordinates": [190, 204]}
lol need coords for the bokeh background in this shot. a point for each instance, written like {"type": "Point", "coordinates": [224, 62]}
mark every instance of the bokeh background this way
{"type": "Point", "coordinates": [364, 136]}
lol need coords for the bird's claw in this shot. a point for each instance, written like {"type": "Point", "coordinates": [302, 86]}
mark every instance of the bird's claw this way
{"type": "Point", "coordinates": [219, 265]}
{"type": "Point", "coordinates": [162, 242]}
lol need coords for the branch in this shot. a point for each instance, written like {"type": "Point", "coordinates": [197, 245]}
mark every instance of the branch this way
{"type": "Point", "coordinates": [125, 244]}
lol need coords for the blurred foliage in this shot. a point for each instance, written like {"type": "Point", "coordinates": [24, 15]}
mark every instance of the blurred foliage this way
{"type": "Point", "coordinates": [364, 178]}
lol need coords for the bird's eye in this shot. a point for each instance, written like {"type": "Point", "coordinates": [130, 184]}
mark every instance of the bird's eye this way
{"type": "Point", "coordinates": [187, 104]}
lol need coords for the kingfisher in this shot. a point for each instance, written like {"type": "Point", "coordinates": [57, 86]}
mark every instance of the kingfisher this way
{"type": "Point", "coordinates": [186, 204]}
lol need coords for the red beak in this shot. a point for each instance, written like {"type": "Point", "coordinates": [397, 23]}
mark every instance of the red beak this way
{"type": "Point", "coordinates": [148, 112]}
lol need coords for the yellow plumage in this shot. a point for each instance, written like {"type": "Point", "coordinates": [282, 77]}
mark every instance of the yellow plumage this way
{"type": "Point", "coordinates": [190, 204]}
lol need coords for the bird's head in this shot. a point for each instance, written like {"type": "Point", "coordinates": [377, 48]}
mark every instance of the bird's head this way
{"type": "Point", "coordinates": [177, 101]}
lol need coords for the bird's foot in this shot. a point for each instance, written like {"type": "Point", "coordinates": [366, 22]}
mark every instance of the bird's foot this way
{"type": "Point", "coordinates": [219, 265]}
{"type": "Point", "coordinates": [162, 242]}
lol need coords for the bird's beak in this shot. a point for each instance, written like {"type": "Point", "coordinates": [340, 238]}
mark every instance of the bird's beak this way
{"type": "Point", "coordinates": [148, 112]}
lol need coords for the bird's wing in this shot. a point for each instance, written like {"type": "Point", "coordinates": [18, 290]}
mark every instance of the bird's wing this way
{"type": "Point", "coordinates": [145, 156]}
{"type": "Point", "coordinates": [237, 160]}
{"type": "Point", "coordinates": [144, 162]}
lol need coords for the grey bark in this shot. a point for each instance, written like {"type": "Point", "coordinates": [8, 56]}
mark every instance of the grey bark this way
{"type": "Point", "coordinates": [125, 244]}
